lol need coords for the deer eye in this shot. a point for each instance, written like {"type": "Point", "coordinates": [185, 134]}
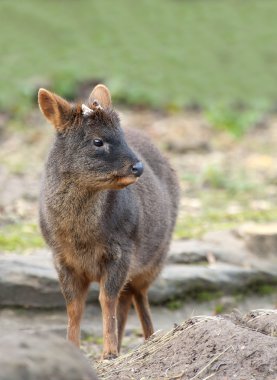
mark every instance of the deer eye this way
{"type": "Point", "coordinates": [98, 142]}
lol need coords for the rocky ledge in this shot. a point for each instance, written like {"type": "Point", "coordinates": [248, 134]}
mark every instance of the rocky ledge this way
{"type": "Point", "coordinates": [220, 262]}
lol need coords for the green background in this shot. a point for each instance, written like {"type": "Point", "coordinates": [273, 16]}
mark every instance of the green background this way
{"type": "Point", "coordinates": [160, 52]}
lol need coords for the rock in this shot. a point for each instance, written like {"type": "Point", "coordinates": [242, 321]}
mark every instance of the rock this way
{"type": "Point", "coordinates": [41, 356]}
{"type": "Point", "coordinates": [31, 281]}
{"type": "Point", "coordinates": [182, 281]}
{"type": "Point", "coordinates": [188, 252]}
{"type": "Point", "coordinates": [261, 239]}
{"type": "Point", "coordinates": [197, 251]}
{"type": "Point", "coordinates": [224, 238]}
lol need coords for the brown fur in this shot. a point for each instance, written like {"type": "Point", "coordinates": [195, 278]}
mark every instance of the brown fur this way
{"type": "Point", "coordinates": [98, 227]}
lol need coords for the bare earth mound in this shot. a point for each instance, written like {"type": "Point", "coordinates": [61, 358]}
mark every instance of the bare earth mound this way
{"type": "Point", "coordinates": [223, 347]}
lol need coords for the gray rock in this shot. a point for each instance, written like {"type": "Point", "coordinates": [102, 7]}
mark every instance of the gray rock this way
{"type": "Point", "coordinates": [196, 251]}
{"type": "Point", "coordinates": [28, 281]}
{"type": "Point", "coordinates": [188, 252]}
{"type": "Point", "coordinates": [41, 356]}
{"type": "Point", "coordinates": [31, 281]}
{"type": "Point", "coordinates": [227, 239]}
{"type": "Point", "coordinates": [181, 281]}
{"type": "Point", "coordinates": [261, 239]}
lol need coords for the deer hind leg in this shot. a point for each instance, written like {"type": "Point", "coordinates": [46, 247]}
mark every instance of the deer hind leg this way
{"type": "Point", "coordinates": [108, 306]}
{"type": "Point", "coordinates": [123, 307]}
{"type": "Point", "coordinates": [111, 284]}
{"type": "Point", "coordinates": [143, 310]}
{"type": "Point", "coordinates": [75, 310]}
{"type": "Point", "coordinates": [74, 289]}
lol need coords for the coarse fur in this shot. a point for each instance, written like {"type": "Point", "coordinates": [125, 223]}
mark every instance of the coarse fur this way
{"type": "Point", "coordinates": [101, 223]}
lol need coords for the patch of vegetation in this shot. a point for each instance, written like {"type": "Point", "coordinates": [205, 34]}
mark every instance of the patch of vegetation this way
{"type": "Point", "coordinates": [93, 339]}
{"type": "Point", "coordinates": [14, 164]}
{"type": "Point", "coordinates": [236, 121]}
{"type": "Point", "coordinates": [212, 220]}
{"type": "Point", "coordinates": [197, 53]}
{"type": "Point", "coordinates": [266, 289]}
{"type": "Point", "coordinates": [237, 296]}
{"type": "Point", "coordinates": [206, 296]}
{"type": "Point", "coordinates": [19, 237]}
{"type": "Point", "coordinates": [219, 308]}
{"type": "Point", "coordinates": [137, 332]}
{"type": "Point", "coordinates": [198, 295]}
{"type": "Point", "coordinates": [225, 198]}
{"type": "Point", "coordinates": [174, 304]}
{"type": "Point", "coordinates": [216, 177]}
{"type": "Point", "coordinates": [263, 289]}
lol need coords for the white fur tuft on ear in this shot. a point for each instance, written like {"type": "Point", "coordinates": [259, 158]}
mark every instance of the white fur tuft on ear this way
{"type": "Point", "coordinates": [86, 110]}
{"type": "Point", "coordinates": [96, 105]}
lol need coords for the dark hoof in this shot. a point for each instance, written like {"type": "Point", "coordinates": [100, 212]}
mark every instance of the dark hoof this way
{"type": "Point", "coordinates": [109, 356]}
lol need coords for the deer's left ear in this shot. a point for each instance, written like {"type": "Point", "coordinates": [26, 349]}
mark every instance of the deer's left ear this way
{"type": "Point", "coordinates": [102, 94]}
{"type": "Point", "coordinates": [56, 109]}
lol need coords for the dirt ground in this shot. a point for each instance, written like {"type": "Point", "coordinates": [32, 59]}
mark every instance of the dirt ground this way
{"type": "Point", "coordinates": [222, 347]}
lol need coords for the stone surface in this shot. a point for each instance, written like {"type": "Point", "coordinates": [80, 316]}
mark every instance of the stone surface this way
{"type": "Point", "coordinates": [28, 281]}
{"type": "Point", "coordinates": [188, 252]}
{"type": "Point", "coordinates": [41, 356]}
{"type": "Point", "coordinates": [180, 281]}
{"type": "Point", "coordinates": [31, 281]}
{"type": "Point", "coordinates": [197, 251]}
{"type": "Point", "coordinates": [261, 239]}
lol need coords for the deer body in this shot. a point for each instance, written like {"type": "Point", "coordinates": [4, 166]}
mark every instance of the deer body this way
{"type": "Point", "coordinates": [99, 228]}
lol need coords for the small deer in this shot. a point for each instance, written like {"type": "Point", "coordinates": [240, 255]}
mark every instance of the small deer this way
{"type": "Point", "coordinates": [104, 221]}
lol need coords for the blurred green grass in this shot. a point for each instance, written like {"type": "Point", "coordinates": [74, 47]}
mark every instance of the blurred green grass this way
{"type": "Point", "coordinates": [214, 219]}
{"type": "Point", "coordinates": [217, 54]}
{"type": "Point", "coordinates": [164, 53]}
{"type": "Point", "coordinates": [224, 197]}
{"type": "Point", "coordinates": [20, 237]}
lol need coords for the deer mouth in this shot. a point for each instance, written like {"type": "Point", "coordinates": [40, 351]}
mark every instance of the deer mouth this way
{"type": "Point", "coordinates": [126, 180]}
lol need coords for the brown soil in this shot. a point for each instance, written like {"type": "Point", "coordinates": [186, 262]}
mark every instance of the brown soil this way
{"type": "Point", "coordinates": [223, 348]}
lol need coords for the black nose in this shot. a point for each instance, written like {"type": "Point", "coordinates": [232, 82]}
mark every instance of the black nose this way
{"type": "Point", "coordinates": [137, 169]}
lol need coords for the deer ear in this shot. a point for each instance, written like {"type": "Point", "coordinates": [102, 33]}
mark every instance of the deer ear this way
{"type": "Point", "coordinates": [57, 110]}
{"type": "Point", "coordinates": [102, 94]}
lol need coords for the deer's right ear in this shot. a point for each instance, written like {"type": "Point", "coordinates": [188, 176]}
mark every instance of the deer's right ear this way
{"type": "Point", "coordinates": [102, 95]}
{"type": "Point", "coordinates": [56, 110]}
